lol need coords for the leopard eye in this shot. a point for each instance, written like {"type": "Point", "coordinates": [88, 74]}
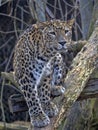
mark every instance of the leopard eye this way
{"type": "Point", "coordinates": [66, 31]}
{"type": "Point", "coordinates": [69, 34]}
{"type": "Point", "coordinates": [53, 33]}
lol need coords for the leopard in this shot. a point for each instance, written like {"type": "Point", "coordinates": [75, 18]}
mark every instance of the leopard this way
{"type": "Point", "coordinates": [39, 68]}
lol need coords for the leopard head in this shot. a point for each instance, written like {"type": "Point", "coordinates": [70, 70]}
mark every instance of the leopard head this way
{"type": "Point", "coordinates": [57, 34]}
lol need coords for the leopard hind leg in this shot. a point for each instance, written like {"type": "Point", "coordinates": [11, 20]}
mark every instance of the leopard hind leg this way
{"type": "Point", "coordinates": [37, 116]}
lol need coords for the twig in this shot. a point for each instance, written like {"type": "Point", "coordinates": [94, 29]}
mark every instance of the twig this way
{"type": "Point", "coordinates": [50, 13]}
{"type": "Point", "coordinates": [22, 17]}
{"type": "Point", "coordinates": [68, 4]}
{"type": "Point", "coordinates": [15, 25]}
{"type": "Point", "coordinates": [23, 9]}
{"type": "Point", "coordinates": [32, 10]}
{"type": "Point", "coordinates": [3, 3]}
{"type": "Point", "coordinates": [14, 18]}
{"type": "Point", "coordinates": [2, 107]}
{"type": "Point", "coordinates": [55, 7]}
{"type": "Point", "coordinates": [2, 88]}
{"type": "Point", "coordinates": [61, 11]}
{"type": "Point", "coordinates": [40, 10]}
{"type": "Point", "coordinates": [7, 32]}
{"type": "Point", "coordinates": [79, 28]}
{"type": "Point", "coordinates": [75, 14]}
{"type": "Point", "coordinates": [6, 42]}
{"type": "Point", "coordinates": [4, 62]}
{"type": "Point", "coordinates": [52, 6]}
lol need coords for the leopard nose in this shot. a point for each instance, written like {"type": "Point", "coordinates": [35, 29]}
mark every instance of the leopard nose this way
{"type": "Point", "coordinates": [62, 43]}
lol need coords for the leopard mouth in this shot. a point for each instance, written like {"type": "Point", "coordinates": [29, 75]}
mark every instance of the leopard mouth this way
{"type": "Point", "coordinates": [63, 49]}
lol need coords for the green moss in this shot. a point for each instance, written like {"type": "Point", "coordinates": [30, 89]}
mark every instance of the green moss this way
{"type": "Point", "coordinates": [61, 127]}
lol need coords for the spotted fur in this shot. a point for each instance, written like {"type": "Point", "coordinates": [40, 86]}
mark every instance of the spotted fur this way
{"type": "Point", "coordinates": [39, 67]}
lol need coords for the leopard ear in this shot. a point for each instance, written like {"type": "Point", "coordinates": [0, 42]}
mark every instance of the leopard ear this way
{"type": "Point", "coordinates": [71, 22]}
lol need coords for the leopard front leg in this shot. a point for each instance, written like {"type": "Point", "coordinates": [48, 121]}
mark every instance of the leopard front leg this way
{"type": "Point", "coordinates": [45, 90]}
{"type": "Point", "coordinates": [37, 116]}
{"type": "Point", "coordinates": [58, 75]}
{"type": "Point", "coordinates": [45, 97]}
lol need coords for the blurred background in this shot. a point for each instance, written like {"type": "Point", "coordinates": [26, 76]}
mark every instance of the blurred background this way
{"type": "Point", "coordinates": [16, 16]}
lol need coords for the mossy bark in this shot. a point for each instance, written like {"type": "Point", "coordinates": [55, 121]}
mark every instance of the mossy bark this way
{"type": "Point", "coordinates": [83, 67]}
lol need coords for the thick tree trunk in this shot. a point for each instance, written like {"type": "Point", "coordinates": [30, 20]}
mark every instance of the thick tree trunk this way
{"type": "Point", "coordinates": [81, 113]}
{"type": "Point", "coordinates": [83, 66]}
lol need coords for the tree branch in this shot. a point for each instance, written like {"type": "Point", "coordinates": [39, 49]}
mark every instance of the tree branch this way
{"type": "Point", "coordinates": [83, 67]}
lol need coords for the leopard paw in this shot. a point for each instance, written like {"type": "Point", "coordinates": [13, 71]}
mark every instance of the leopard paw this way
{"type": "Point", "coordinates": [41, 120]}
{"type": "Point", "coordinates": [51, 109]}
{"type": "Point", "coordinates": [57, 91]}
